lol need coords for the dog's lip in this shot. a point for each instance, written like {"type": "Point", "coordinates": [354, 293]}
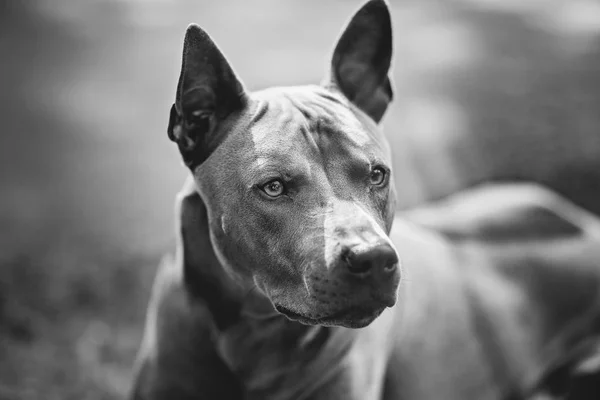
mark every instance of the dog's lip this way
{"type": "Point", "coordinates": [356, 317]}
{"type": "Point", "coordinates": [289, 313]}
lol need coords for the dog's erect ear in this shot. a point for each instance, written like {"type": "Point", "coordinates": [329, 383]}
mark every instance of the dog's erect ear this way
{"type": "Point", "coordinates": [361, 59]}
{"type": "Point", "coordinates": [208, 91]}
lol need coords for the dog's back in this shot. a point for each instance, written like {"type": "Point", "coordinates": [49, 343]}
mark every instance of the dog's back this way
{"type": "Point", "coordinates": [544, 250]}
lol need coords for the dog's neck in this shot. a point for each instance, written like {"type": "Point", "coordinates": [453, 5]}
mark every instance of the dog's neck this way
{"type": "Point", "coordinates": [203, 274]}
{"type": "Point", "coordinates": [278, 358]}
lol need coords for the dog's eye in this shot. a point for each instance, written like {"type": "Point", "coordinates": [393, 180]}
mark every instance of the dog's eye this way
{"type": "Point", "coordinates": [274, 188]}
{"type": "Point", "coordinates": [378, 175]}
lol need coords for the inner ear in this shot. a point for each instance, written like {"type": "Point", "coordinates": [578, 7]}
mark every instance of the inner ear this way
{"type": "Point", "coordinates": [361, 59]}
{"type": "Point", "coordinates": [208, 92]}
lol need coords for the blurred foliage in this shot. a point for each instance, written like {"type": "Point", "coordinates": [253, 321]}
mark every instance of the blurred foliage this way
{"type": "Point", "coordinates": [489, 89]}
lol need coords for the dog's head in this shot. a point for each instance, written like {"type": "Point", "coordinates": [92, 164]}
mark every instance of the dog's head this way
{"type": "Point", "coordinates": [296, 181]}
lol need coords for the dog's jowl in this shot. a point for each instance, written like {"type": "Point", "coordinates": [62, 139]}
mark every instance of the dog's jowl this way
{"type": "Point", "coordinates": [293, 277]}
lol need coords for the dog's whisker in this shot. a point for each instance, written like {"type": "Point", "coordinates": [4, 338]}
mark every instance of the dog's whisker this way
{"type": "Point", "coordinates": [304, 279]}
{"type": "Point", "coordinates": [319, 215]}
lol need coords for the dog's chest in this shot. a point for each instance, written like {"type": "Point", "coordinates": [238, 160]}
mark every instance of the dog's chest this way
{"type": "Point", "coordinates": [280, 360]}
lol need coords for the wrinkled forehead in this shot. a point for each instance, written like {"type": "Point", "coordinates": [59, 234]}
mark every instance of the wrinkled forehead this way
{"type": "Point", "coordinates": [292, 120]}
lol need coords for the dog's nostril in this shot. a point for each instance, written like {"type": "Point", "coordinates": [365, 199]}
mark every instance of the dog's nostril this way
{"type": "Point", "coordinates": [390, 267]}
{"type": "Point", "coordinates": [380, 259]}
{"type": "Point", "coordinates": [359, 267]}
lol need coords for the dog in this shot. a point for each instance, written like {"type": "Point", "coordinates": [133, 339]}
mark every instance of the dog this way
{"type": "Point", "coordinates": [295, 278]}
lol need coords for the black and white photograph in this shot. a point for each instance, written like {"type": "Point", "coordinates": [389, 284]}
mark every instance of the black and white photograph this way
{"type": "Point", "coordinates": [299, 200]}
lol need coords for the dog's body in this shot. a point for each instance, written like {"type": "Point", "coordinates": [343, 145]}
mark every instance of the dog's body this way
{"type": "Point", "coordinates": [291, 211]}
{"type": "Point", "coordinates": [486, 306]}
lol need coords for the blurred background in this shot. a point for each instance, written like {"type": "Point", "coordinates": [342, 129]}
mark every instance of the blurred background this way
{"type": "Point", "coordinates": [485, 90]}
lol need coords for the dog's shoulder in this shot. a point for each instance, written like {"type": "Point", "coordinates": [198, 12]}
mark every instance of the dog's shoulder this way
{"type": "Point", "coordinates": [178, 356]}
{"type": "Point", "coordinates": [171, 306]}
{"type": "Point", "coordinates": [505, 213]}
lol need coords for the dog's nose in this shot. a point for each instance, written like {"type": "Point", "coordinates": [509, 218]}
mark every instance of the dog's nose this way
{"type": "Point", "coordinates": [380, 259]}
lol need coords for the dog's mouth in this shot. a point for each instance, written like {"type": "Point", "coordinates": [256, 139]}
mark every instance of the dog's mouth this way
{"type": "Point", "coordinates": [352, 317]}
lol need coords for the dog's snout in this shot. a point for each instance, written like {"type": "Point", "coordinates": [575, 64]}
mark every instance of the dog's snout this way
{"type": "Point", "coordinates": [380, 259]}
